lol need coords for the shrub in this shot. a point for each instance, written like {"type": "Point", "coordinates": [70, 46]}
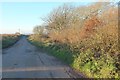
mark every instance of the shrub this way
{"type": "Point", "coordinates": [90, 45]}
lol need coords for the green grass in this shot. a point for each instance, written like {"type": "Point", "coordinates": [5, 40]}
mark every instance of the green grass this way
{"type": "Point", "coordinates": [83, 61]}
{"type": "Point", "coordinates": [54, 50]}
{"type": "Point", "coordinates": [9, 41]}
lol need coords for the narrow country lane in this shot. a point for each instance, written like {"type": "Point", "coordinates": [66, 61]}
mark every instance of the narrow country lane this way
{"type": "Point", "coordinates": [23, 60]}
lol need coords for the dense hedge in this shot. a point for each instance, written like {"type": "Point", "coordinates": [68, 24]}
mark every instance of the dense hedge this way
{"type": "Point", "coordinates": [84, 38]}
{"type": "Point", "coordinates": [9, 40]}
{"type": "Point", "coordinates": [91, 61]}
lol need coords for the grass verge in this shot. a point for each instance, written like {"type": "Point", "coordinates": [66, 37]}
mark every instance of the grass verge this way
{"type": "Point", "coordinates": [9, 40]}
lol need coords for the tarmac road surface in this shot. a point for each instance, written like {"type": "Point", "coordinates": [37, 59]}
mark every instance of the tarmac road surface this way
{"type": "Point", "coordinates": [24, 60]}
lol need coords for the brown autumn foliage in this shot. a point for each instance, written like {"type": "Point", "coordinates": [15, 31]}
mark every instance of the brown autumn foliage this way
{"type": "Point", "coordinates": [91, 36]}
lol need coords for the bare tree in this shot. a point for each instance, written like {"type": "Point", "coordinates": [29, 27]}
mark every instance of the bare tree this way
{"type": "Point", "coordinates": [59, 17]}
{"type": "Point", "coordinates": [38, 30]}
